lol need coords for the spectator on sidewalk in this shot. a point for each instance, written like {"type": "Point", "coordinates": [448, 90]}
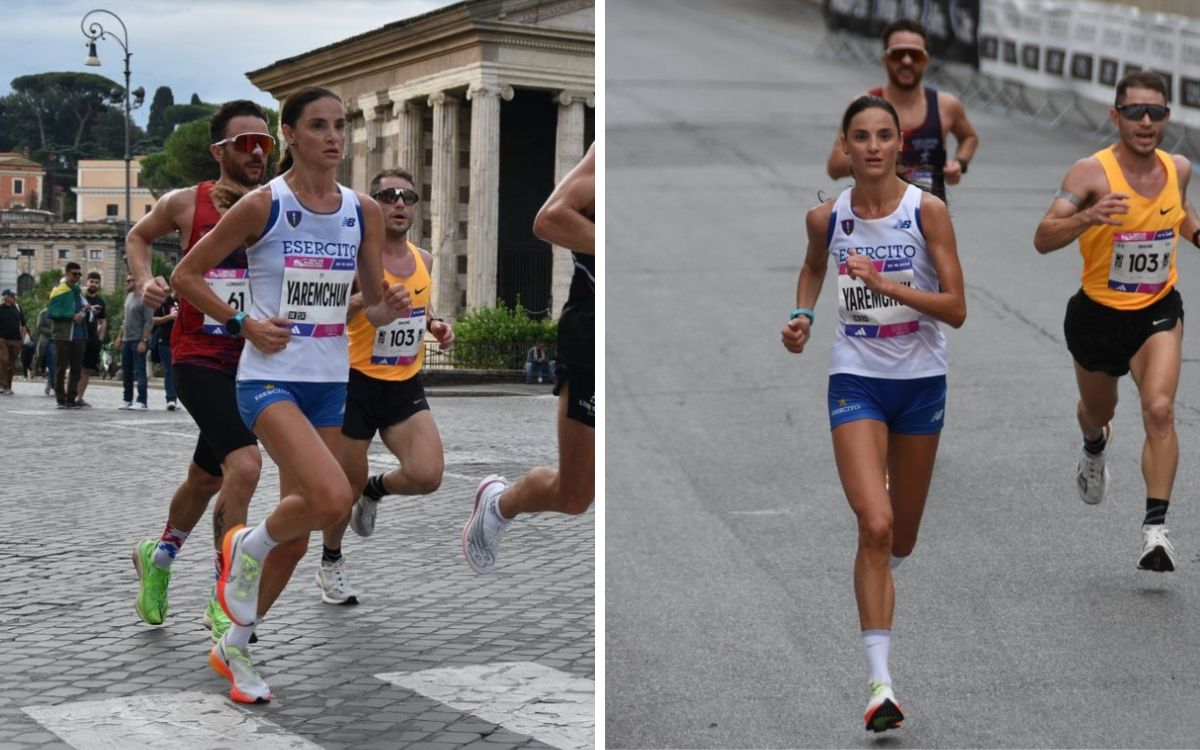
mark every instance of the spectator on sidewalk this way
{"type": "Point", "coordinates": [44, 359]}
{"type": "Point", "coordinates": [135, 342]}
{"type": "Point", "coordinates": [164, 324]}
{"type": "Point", "coordinates": [538, 363]}
{"type": "Point", "coordinates": [96, 321]}
{"type": "Point", "coordinates": [69, 335]}
{"type": "Point", "coordinates": [13, 332]}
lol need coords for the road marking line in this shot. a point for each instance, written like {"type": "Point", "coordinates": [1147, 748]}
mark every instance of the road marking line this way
{"type": "Point", "coordinates": [192, 720]}
{"type": "Point", "coordinates": [547, 704]}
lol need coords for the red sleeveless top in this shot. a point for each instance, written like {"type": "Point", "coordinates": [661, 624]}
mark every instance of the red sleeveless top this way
{"type": "Point", "coordinates": [190, 345]}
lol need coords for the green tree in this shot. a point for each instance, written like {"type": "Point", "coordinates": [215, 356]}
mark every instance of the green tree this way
{"type": "Point", "coordinates": [497, 338]}
{"type": "Point", "coordinates": [181, 113]}
{"type": "Point", "coordinates": [156, 125]}
{"type": "Point", "coordinates": [184, 160]}
{"type": "Point", "coordinates": [63, 105]}
{"type": "Point", "coordinates": [196, 99]}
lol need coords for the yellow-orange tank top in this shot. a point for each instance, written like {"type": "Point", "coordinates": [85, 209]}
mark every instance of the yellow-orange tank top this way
{"type": "Point", "coordinates": [395, 351]}
{"type": "Point", "coordinates": [1132, 266]}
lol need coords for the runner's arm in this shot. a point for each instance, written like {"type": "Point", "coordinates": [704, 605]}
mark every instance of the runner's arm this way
{"type": "Point", "coordinates": [138, 244]}
{"type": "Point", "coordinates": [562, 219]}
{"type": "Point", "coordinates": [838, 164]}
{"type": "Point", "coordinates": [812, 274]}
{"type": "Point", "coordinates": [1082, 202]}
{"type": "Point", "coordinates": [381, 302]}
{"type": "Point", "coordinates": [949, 303]}
{"type": "Point", "coordinates": [1191, 223]}
{"type": "Point", "coordinates": [967, 140]}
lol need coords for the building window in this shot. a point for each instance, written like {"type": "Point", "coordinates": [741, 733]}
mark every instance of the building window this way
{"type": "Point", "coordinates": [18, 186]}
{"type": "Point", "coordinates": [110, 209]}
{"type": "Point", "coordinates": [64, 253]}
{"type": "Point", "coordinates": [28, 252]}
{"type": "Point", "coordinates": [95, 255]}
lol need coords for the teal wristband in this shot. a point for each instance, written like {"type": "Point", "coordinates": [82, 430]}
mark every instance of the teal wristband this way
{"type": "Point", "coordinates": [806, 312]}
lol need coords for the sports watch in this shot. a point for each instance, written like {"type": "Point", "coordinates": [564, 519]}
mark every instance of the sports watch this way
{"type": "Point", "coordinates": [234, 324]}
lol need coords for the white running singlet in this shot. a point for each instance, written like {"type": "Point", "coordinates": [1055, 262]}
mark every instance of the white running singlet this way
{"type": "Point", "coordinates": [302, 269]}
{"type": "Point", "coordinates": [878, 337]}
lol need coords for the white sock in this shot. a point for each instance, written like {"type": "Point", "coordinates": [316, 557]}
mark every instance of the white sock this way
{"type": "Point", "coordinates": [895, 561]}
{"type": "Point", "coordinates": [238, 636]}
{"type": "Point", "coordinates": [258, 543]}
{"type": "Point", "coordinates": [877, 643]}
{"type": "Point", "coordinates": [493, 522]}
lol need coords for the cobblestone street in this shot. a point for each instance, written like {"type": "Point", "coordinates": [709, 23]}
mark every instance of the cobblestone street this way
{"type": "Point", "coordinates": [434, 656]}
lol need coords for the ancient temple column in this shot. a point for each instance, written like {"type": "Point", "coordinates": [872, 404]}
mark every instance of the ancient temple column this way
{"type": "Point", "coordinates": [483, 212]}
{"type": "Point", "coordinates": [409, 155]}
{"type": "Point", "coordinates": [568, 150]}
{"type": "Point", "coordinates": [443, 204]}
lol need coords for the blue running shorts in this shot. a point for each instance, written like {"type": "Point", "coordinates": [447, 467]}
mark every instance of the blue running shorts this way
{"type": "Point", "coordinates": [323, 403]}
{"type": "Point", "coordinates": [907, 407]}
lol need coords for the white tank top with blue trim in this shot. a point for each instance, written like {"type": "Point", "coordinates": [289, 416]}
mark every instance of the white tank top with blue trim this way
{"type": "Point", "coordinates": [302, 269]}
{"type": "Point", "coordinates": [877, 336]}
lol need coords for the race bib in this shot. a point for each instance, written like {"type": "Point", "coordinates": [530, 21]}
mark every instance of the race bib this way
{"type": "Point", "coordinates": [922, 178]}
{"type": "Point", "coordinates": [316, 293]}
{"type": "Point", "coordinates": [231, 285]}
{"type": "Point", "coordinates": [1141, 261]}
{"type": "Point", "coordinates": [399, 342]}
{"type": "Point", "coordinates": [870, 315]}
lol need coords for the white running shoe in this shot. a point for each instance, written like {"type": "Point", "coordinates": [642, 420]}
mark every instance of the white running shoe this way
{"type": "Point", "coordinates": [237, 589]}
{"type": "Point", "coordinates": [232, 663]}
{"type": "Point", "coordinates": [1092, 474]}
{"type": "Point", "coordinates": [335, 583]}
{"type": "Point", "coordinates": [883, 712]}
{"type": "Point", "coordinates": [362, 516]}
{"type": "Point", "coordinates": [126, 405]}
{"type": "Point", "coordinates": [171, 406]}
{"type": "Point", "coordinates": [137, 406]}
{"type": "Point", "coordinates": [481, 545]}
{"type": "Point", "coordinates": [1158, 554]}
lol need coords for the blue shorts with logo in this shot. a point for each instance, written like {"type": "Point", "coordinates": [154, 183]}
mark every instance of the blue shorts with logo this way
{"type": "Point", "coordinates": [323, 403]}
{"type": "Point", "coordinates": [907, 407]}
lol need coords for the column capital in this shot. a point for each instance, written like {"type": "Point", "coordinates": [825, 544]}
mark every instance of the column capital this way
{"type": "Point", "coordinates": [372, 105]}
{"type": "Point", "coordinates": [490, 88]}
{"type": "Point", "coordinates": [443, 97]}
{"type": "Point", "coordinates": [567, 97]}
{"type": "Point", "coordinates": [403, 107]}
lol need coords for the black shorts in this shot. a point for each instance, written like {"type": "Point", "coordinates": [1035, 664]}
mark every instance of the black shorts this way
{"type": "Point", "coordinates": [373, 404]}
{"type": "Point", "coordinates": [576, 345]}
{"type": "Point", "coordinates": [582, 394]}
{"type": "Point", "coordinates": [1103, 339]}
{"type": "Point", "coordinates": [210, 396]}
{"type": "Point", "coordinates": [91, 354]}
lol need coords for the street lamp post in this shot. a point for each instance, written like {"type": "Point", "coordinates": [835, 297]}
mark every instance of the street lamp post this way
{"type": "Point", "coordinates": [94, 31]}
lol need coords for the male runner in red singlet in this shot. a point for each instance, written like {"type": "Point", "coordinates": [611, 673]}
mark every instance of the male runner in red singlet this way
{"type": "Point", "coordinates": [926, 116]}
{"type": "Point", "coordinates": [226, 460]}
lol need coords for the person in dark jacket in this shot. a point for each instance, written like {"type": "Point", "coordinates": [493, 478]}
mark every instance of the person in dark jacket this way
{"type": "Point", "coordinates": [69, 335]}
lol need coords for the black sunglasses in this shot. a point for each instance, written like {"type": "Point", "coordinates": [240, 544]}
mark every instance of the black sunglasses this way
{"type": "Point", "coordinates": [393, 194]}
{"type": "Point", "coordinates": [1135, 112]}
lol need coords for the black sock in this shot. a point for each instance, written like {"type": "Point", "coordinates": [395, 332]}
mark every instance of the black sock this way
{"type": "Point", "coordinates": [1156, 511]}
{"type": "Point", "coordinates": [1095, 447]}
{"type": "Point", "coordinates": [330, 555]}
{"type": "Point", "coordinates": [374, 488]}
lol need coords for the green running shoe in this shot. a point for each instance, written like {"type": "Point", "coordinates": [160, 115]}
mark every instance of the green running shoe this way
{"type": "Point", "coordinates": [151, 604]}
{"type": "Point", "coordinates": [216, 620]}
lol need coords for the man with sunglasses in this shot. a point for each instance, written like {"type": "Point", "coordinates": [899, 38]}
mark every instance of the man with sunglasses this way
{"type": "Point", "coordinates": [205, 355]}
{"type": "Point", "coordinates": [926, 116]}
{"type": "Point", "coordinates": [385, 392]}
{"type": "Point", "coordinates": [1127, 206]}
{"type": "Point", "coordinates": [567, 219]}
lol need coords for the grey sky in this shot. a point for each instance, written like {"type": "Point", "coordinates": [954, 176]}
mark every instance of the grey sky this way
{"type": "Point", "coordinates": [194, 47]}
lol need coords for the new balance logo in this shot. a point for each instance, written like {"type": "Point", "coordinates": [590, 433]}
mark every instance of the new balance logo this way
{"type": "Point", "coordinates": [937, 415]}
{"type": "Point", "coordinates": [903, 224]}
{"type": "Point", "coordinates": [348, 221]}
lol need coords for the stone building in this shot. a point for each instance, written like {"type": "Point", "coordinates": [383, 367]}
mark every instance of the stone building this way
{"type": "Point", "coordinates": [100, 191]}
{"type": "Point", "coordinates": [35, 241]}
{"type": "Point", "coordinates": [489, 103]}
{"type": "Point", "coordinates": [21, 181]}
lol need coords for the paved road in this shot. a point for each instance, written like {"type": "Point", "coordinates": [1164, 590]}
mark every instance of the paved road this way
{"type": "Point", "coordinates": [434, 656]}
{"type": "Point", "coordinates": [730, 621]}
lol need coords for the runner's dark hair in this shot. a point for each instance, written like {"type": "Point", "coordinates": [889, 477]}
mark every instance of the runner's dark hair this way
{"type": "Point", "coordinates": [228, 111]}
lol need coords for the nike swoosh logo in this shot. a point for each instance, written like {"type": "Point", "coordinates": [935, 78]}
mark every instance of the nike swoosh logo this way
{"type": "Point", "coordinates": [1160, 322]}
{"type": "Point", "coordinates": [1164, 211]}
{"type": "Point", "coordinates": [421, 290]}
